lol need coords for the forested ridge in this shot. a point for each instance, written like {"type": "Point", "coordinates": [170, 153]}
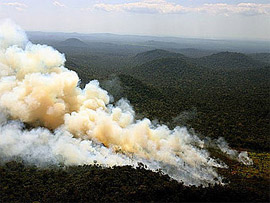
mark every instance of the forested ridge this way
{"type": "Point", "coordinates": [229, 102]}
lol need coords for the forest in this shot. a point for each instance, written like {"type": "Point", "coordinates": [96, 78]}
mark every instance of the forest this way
{"type": "Point", "coordinates": [214, 93]}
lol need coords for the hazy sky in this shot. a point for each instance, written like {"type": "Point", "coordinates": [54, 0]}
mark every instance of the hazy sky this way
{"type": "Point", "coordinates": [239, 19]}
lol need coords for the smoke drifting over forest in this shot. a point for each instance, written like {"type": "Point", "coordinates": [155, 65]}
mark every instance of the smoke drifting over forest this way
{"type": "Point", "coordinates": [74, 126]}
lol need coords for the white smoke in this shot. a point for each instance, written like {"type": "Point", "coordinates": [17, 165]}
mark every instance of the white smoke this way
{"type": "Point", "coordinates": [241, 157]}
{"type": "Point", "coordinates": [11, 34]}
{"type": "Point", "coordinates": [75, 126]}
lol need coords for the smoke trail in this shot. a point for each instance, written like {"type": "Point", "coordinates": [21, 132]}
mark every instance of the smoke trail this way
{"type": "Point", "coordinates": [78, 126]}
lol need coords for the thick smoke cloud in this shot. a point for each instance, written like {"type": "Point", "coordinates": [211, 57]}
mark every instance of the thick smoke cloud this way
{"type": "Point", "coordinates": [74, 126]}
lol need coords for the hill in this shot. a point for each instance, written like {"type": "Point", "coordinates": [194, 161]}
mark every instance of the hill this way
{"type": "Point", "coordinates": [229, 60]}
{"type": "Point", "coordinates": [214, 93]}
{"type": "Point", "coordinates": [228, 102]}
{"type": "Point", "coordinates": [153, 55]}
{"type": "Point", "coordinates": [72, 42]}
{"type": "Point", "coordinates": [163, 71]}
{"type": "Point", "coordinates": [195, 53]}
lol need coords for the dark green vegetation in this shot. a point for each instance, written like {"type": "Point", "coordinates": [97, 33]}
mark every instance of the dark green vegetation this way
{"type": "Point", "coordinates": [225, 94]}
{"type": "Point", "coordinates": [230, 60]}
{"type": "Point", "coordinates": [263, 57]}
{"type": "Point", "coordinates": [92, 183]}
{"type": "Point", "coordinates": [149, 56]}
{"type": "Point", "coordinates": [219, 94]}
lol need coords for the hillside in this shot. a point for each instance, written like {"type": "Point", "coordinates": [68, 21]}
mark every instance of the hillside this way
{"type": "Point", "coordinates": [164, 71]}
{"type": "Point", "coordinates": [153, 55]}
{"type": "Point", "coordinates": [233, 103]}
{"type": "Point", "coordinates": [72, 42]}
{"type": "Point", "coordinates": [20, 183]}
{"type": "Point", "coordinates": [229, 60]}
{"type": "Point", "coordinates": [212, 93]}
{"type": "Point", "coordinates": [195, 53]}
{"type": "Point", "coordinates": [262, 57]}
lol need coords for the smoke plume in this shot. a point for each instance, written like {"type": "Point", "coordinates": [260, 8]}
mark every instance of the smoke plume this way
{"type": "Point", "coordinates": [74, 126]}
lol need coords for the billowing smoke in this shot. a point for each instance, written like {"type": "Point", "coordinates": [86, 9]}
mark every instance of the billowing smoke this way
{"type": "Point", "coordinates": [74, 126]}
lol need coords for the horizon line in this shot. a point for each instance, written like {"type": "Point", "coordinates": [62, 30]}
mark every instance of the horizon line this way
{"type": "Point", "coordinates": [157, 36]}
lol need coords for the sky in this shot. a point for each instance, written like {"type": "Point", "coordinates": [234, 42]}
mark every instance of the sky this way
{"type": "Point", "coordinates": [215, 19]}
